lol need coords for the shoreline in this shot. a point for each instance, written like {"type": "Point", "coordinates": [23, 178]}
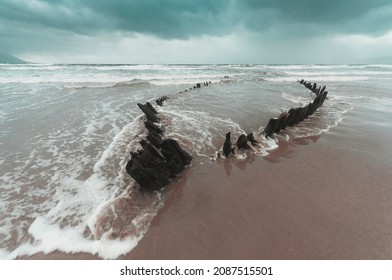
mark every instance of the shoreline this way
{"type": "Point", "coordinates": [322, 197]}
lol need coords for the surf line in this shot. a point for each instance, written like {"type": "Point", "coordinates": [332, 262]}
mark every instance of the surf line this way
{"type": "Point", "coordinates": [206, 84]}
{"type": "Point", "coordinates": [275, 125]}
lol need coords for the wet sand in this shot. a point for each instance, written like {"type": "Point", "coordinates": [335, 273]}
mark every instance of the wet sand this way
{"type": "Point", "coordinates": [325, 197]}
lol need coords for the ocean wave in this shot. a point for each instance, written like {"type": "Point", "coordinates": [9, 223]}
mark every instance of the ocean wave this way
{"type": "Point", "coordinates": [319, 78]}
{"type": "Point", "coordinates": [104, 79]}
{"type": "Point", "coordinates": [325, 118]}
{"type": "Point", "coordinates": [301, 100]}
{"type": "Point", "coordinates": [130, 83]}
{"type": "Point", "coordinates": [342, 73]}
{"type": "Point", "coordinates": [61, 78]}
{"type": "Point", "coordinates": [377, 66]}
{"type": "Point", "coordinates": [84, 213]}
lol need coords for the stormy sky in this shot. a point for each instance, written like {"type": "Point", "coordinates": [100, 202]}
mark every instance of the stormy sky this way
{"type": "Point", "coordinates": [196, 31]}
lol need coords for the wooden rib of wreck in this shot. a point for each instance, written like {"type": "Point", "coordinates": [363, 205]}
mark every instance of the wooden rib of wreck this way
{"type": "Point", "coordinates": [290, 118]}
{"type": "Point", "coordinates": [158, 161]}
{"type": "Point", "coordinates": [294, 116]}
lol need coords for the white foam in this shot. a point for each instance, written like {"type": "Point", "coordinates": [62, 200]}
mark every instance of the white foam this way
{"type": "Point", "coordinates": [266, 144]}
{"type": "Point", "coordinates": [377, 66]}
{"type": "Point", "coordinates": [241, 156]}
{"type": "Point", "coordinates": [118, 144]}
{"type": "Point", "coordinates": [181, 80]}
{"type": "Point", "coordinates": [200, 128]}
{"type": "Point", "coordinates": [4, 254]}
{"type": "Point", "coordinates": [297, 98]}
{"type": "Point", "coordinates": [72, 194]}
{"type": "Point", "coordinates": [82, 204]}
{"type": "Point", "coordinates": [57, 78]}
{"type": "Point", "coordinates": [326, 117]}
{"type": "Point", "coordinates": [320, 78]}
{"type": "Point", "coordinates": [349, 73]}
{"type": "Point", "coordinates": [103, 76]}
{"type": "Point", "coordinates": [51, 237]}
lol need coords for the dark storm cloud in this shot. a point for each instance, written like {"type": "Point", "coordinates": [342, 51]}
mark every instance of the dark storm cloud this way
{"type": "Point", "coordinates": [182, 19]}
{"type": "Point", "coordinates": [333, 16]}
{"type": "Point", "coordinates": [229, 29]}
{"type": "Point", "coordinates": [166, 19]}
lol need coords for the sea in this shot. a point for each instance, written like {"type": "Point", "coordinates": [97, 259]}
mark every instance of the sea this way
{"type": "Point", "coordinates": [67, 130]}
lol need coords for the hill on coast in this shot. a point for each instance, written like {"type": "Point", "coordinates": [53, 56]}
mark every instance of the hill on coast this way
{"type": "Point", "coordinates": [10, 59]}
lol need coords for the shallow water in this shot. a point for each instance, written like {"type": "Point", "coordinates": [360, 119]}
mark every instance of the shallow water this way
{"type": "Point", "coordinates": [66, 132]}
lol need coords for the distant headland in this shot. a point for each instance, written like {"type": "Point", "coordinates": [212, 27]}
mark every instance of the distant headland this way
{"type": "Point", "coordinates": [10, 59]}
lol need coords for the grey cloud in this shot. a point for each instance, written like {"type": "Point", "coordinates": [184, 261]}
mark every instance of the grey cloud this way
{"type": "Point", "coordinates": [167, 19]}
{"type": "Point", "coordinates": [61, 26]}
{"type": "Point", "coordinates": [334, 16]}
{"type": "Point", "coordinates": [182, 19]}
{"type": "Point", "coordinates": [178, 19]}
{"type": "Point", "coordinates": [316, 10]}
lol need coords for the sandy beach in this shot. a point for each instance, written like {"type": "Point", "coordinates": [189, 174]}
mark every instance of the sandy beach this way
{"type": "Point", "coordinates": [327, 199]}
{"type": "Point", "coordinates": [322, 197]}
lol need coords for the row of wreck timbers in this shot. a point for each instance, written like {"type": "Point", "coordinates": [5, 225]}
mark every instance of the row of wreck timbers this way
{"type": "Point", "coordinates": [159, 160]}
